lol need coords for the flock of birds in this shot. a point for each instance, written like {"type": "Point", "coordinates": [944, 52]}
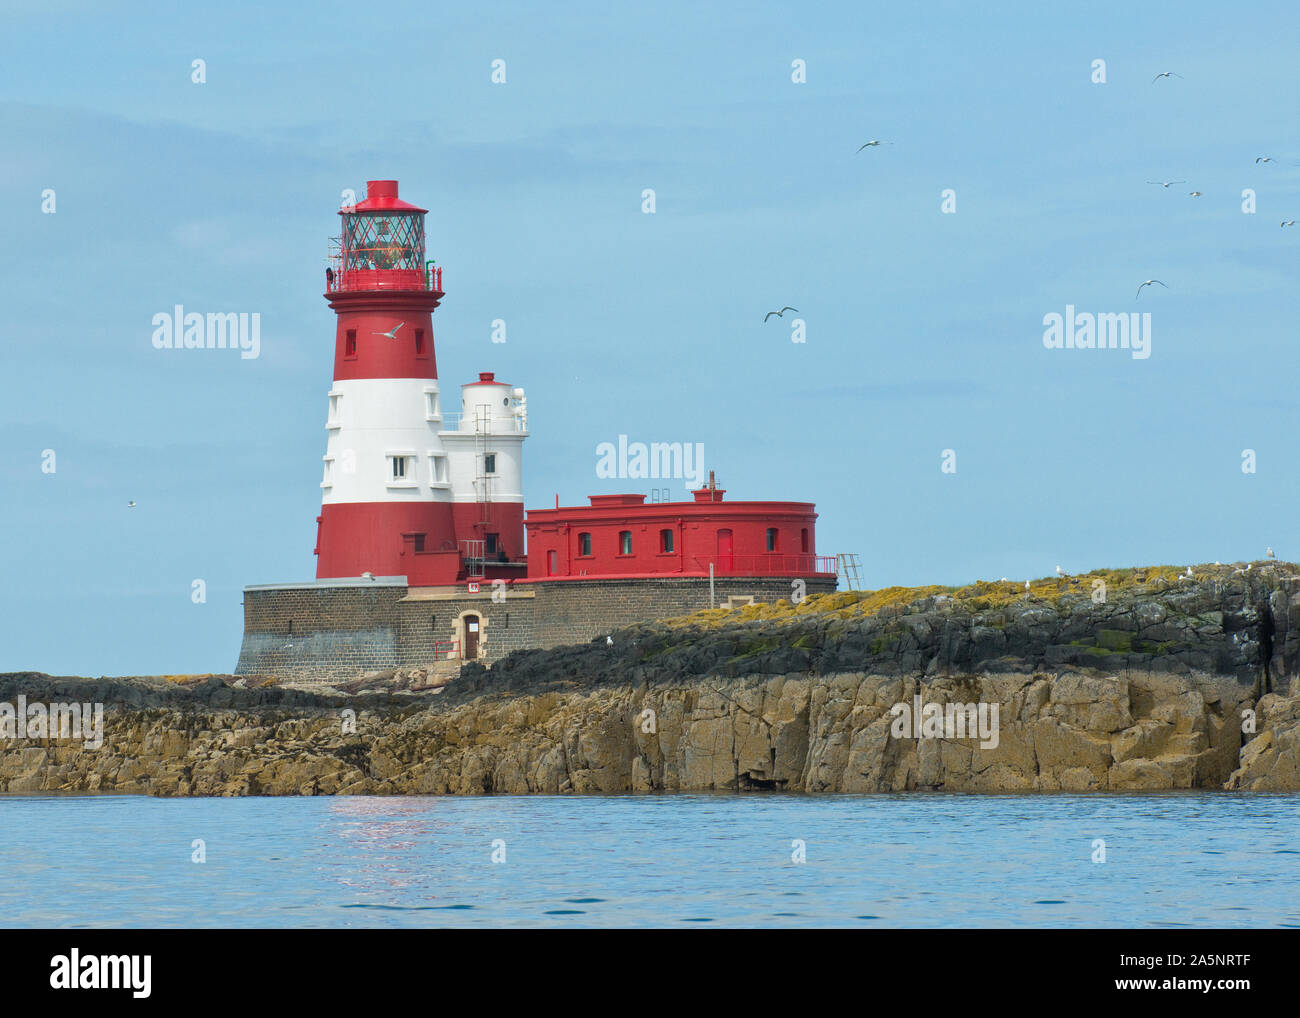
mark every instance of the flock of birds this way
{"type": "Point", "coordinates": [1166, 184]}
{"type": "Point", "coordinates": [1194, 194]}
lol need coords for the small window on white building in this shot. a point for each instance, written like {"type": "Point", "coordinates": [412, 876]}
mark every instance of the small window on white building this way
{"type": "Point", "coordinates": [335, 399]}
{"type": "Point", "coordinates": [401, 469]}
{"type": "Point", "coordinates": [438, 470]}
{"type": "Point", "coordinates": [432, 405]}
{"type": "Point", "coordinates": [489, 463]}
{"type": "Point", "coordinates": [328, 480]}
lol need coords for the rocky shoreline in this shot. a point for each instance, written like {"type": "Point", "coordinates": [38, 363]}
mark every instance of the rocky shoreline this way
{"type": "Point", "coordinates": [1146, 682]}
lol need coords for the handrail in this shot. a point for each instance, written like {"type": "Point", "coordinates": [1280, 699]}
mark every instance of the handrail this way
{"type": "Point", "coordinates": [769, 564]}
{"type": "Point", "coordinates": [452, 419]}
{"type": "Point", "coordinates": [339, 281]}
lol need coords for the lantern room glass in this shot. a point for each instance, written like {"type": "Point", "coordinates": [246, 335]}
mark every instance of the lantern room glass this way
{"type": "Point", "coordinates": [384, 241]}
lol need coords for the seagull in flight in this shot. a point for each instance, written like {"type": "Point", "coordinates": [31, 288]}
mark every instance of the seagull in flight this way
{"type": "Point", "coordinates": [1263, 159]}
{"type": "Point", "coordinates": [1193, 194]}
{"type": "Point", "coordinates": [1288, 222]}
{"type": "Point", "coordinates": [391, 333]}
{"type": "Point", "coordinates": [1148, 283]}
{"type": "Point", "coordinates": [130, 505]}
{"type": "Point", "coordinates": [1166, 183]}
{"type": "Point", "coordinates": [1165, 74]}
{"type": "Point", "coordinates": [874, 142]}
{"type": "Point", "coordinates": [780, 313]}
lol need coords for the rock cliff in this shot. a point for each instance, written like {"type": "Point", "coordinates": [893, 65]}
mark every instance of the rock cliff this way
{"type": "Point", "coordinates": [1119, 680]}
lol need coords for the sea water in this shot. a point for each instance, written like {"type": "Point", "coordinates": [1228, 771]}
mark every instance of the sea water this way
{"type": "Point", "coordinates": [752, 860]}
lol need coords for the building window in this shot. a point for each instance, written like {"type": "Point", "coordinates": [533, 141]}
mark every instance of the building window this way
{"type": "Point", "coordinates": [438, 468]}
{"type": "Point", "coordinates": [350, 344]}
{"type": "Point", "coordinates": [489, 463]}
{"type": "Point", "coordinates": [420, 349]}
{"type": "Point", "coordinates": [401, 468]}
{"type": "Point", "coordinates": [803, 540]}
{"type": "Point", "coordinates": [625, 542]}
{"type": "Point", "coordinates": [665, 542]}
{"type": "Point", "coordinates": [584, 544]}
{"type": "Point", "coordinates": [419, 542]}
{"type": "Point", "coordinates": [490, 543]}
{"type": "Point", "coordinates": [432, 411]}
{"type": "Point", "coordinates": [551, 563]}
{"type": "Point", "coordinates": [771, 538]}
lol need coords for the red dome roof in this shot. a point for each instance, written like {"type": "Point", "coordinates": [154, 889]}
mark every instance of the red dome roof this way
{"type": "Point", "coordinates": [381, 196]}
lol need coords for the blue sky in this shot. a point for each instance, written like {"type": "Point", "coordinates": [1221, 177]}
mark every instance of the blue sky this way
{"type": "Point", "coordinates": [924, 329]}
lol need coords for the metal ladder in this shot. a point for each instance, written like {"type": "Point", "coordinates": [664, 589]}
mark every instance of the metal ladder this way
{"type": "Point", "coordinates": [847, 567]}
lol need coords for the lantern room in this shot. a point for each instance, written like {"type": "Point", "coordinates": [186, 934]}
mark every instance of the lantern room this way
{"type": "Point", "coordinates": [381, 246]}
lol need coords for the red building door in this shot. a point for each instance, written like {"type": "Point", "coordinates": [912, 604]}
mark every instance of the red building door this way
{"type": "Point", "coordinates": [726, 561]}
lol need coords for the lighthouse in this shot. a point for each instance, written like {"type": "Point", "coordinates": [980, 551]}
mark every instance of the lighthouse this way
{"type": "Point", "coordinates": [420, 540]}
{"type": "Point", "coordinates": [410, 488]}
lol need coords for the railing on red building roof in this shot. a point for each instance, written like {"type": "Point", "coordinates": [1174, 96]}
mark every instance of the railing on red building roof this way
{"type": "Point", "coordinates": [769, 564]}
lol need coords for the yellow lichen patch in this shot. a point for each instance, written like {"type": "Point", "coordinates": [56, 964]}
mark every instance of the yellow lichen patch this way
{"type": "Point", "coordinates": [982, 595]}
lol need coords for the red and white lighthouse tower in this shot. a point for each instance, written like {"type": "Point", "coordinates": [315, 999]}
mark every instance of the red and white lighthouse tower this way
{"type": "Point", "coordinates": [402, 495]}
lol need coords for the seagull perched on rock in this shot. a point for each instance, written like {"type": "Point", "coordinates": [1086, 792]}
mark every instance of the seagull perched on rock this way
{"type": "Point", "coordinates": [367, 575]}
{"type": "Point", "coordinates": [609, 641]}
{"type": "Point", "coordinates": [1269, 553]}
{"type": "Point", "coordinates": [1165, 74]}
{"type": "Point", "coordinates": [1026, 584]}
{"type": "Point", "coordinates": [1061, 572]}
{"type": "Point", "coordinates": [780, 313]}
{"type": "Point", "coordinates": [1166, 183]}
{"type": "Point", "coordinates": [1148, 283]}
{"type": "Point", "coordinates": [873, 143]}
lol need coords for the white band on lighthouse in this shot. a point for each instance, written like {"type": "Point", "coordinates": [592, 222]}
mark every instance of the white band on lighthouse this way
{"type": "Point", "coordinates": [389, 441]}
